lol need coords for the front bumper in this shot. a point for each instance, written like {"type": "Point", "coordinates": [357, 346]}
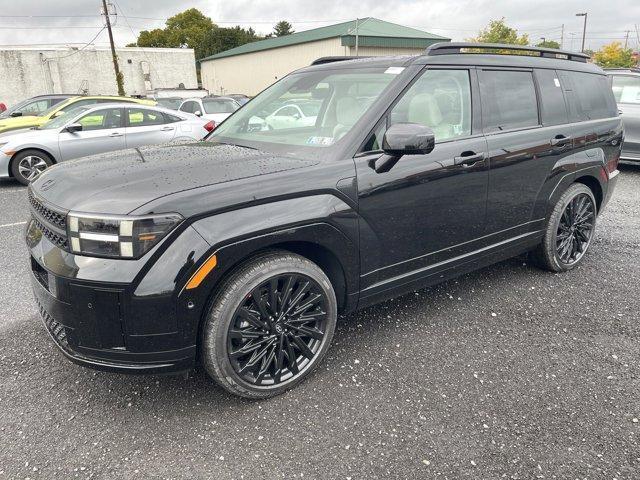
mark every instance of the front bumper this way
{"type": "Point", "coordinates": [119, 315]}
{"type": "Point", "coordinates": [5, 160]}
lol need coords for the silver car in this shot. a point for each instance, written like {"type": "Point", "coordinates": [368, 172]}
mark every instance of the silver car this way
{"type": "Point", "coordinates": [94, 129]}
{"type": "Point", "coordinates": [626, 88]}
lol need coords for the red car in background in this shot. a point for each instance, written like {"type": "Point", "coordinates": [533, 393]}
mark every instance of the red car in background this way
{"type": "Point", "coordinates": [3, 107]}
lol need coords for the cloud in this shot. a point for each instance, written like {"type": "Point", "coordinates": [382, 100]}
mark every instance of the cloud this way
{"type": "Point", "coordinates": [458, 19]}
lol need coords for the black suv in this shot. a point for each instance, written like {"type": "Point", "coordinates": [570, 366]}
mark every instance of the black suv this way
{"type": "Point", "coordinates": [239, 252]}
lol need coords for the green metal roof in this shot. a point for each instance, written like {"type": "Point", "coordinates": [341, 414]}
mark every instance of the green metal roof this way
{"type": "Point", "coordinates": [371, 32]}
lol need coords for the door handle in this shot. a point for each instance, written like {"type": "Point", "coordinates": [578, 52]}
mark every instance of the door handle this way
{"type": "Point", "coordinates": [467, 159]}
{"type": "Point", "coordinates": [116, 134]}
{"type": "Point", "coordinates": [560, 141]}
{"type": "Point", "coordinates": [166, 129]}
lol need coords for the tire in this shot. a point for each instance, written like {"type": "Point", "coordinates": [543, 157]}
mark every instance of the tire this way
{"type": "Point", "coordinates": [570, 230]}
{"type": "Point", "coordinates": [249, 347]}
{"type": "Point", "coordinates": [28, 164]}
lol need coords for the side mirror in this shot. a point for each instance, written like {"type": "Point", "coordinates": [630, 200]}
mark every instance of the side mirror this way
{"type": "Point", "coordinates": [57, 114]}
{"type": "Point", "coordinates": [408, 139]}
{"type": "Point", "coordinates": [296, 116]}
{"type": "Point", "coordinates": [73, 128]}
{"type": "Point", "coordinates": [403, 139]}
{"type": "Point", "coordinates": [197, 113]}
{"type": "Point", "coordinates": [16, 114]}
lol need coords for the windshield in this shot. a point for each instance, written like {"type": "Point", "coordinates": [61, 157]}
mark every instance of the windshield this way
{"type": "Point", "coordinates": [53, 108]}
{"type": "Point", "coordinates": [219, 106]}
{"type": "Point", "coordinates": [63, 119]}
{"type": "Point", "coordinates": [307, 110]}
{"type": "Point", "coordinates": [172, 103]}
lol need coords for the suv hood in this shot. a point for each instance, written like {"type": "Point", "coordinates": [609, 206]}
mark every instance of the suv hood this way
{"type": "Point", "coordinates": [120, 182]}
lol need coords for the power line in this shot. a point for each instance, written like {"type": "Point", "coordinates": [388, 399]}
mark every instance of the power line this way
{"type": "Point", "coordinates": [82, 48]}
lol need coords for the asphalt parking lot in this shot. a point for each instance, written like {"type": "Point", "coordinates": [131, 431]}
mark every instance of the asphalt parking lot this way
{"type": "Point", "coordinates": [509, 372]}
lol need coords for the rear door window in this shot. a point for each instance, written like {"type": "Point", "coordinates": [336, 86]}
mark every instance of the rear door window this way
{"type": "Point", "coordinates": [626, 88]}
{"type": "Point", "coordinates": [508, 100]}
{"type": "Point", "coordinates": [588, 95]}
{"type": "Point", "coordinates": [553, 108]}
{"type": "Point", "coordinates": [141, 117]}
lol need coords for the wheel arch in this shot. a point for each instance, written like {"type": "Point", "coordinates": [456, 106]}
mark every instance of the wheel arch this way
{"type": "Point", "coordinates": [24, 149]}
{"type": "Point", "coordinates": [594, 185]}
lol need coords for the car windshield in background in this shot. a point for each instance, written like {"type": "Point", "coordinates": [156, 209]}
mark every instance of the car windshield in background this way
{"type": "Point", "coordinates": [52, 108]}
{"type": "Point", "coordinates": [171, 103]}
{"type": "Point", "coordinates": [219, 106]}
{"type": "Point", "coordinates": [308, 110]}
{"type": "Point", "coordinates": [63, 119]}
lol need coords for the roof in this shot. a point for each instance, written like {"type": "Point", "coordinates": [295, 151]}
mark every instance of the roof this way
{"type": "Point", "coordinates": [371, 32]}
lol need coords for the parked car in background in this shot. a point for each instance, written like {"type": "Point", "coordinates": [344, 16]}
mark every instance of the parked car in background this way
{"type": "Point", "coordinates": [294, 115]}
{"type": "Point", "coordinates": [211, 108]}
{"type": "Point", "coordinates": [92, 129]}
{"type": "Point", "coordinates": [239, 97]}
{"type": "Point", "coordinates": [3, 107]}
{"type": "Point", "coordinates": [34, 106]}
{"type": "Point", "coordinates": [626, 89]}
{"type": "Point", "coordinates": [238, 253]}
{"type": "Point", "coordinates": [29, 121]}
{"type": "Point", "coordinates": [172, 103]}
{"type": "Point", "coordinates": [183, 93]}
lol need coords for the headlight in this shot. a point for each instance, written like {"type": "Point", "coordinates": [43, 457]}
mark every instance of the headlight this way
{"type": "Point", "coordinates": [119, 236]}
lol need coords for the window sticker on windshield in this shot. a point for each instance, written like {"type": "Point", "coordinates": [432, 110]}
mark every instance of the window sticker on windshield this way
{"type": "Point", "coordinates": [394, 70]}
{"type": "Point", "coordinates": [557, 82]}
{"type": "Point", "coordinates": [320, 141]}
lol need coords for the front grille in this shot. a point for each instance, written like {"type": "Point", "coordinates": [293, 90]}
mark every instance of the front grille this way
{"type": "Point", "coordinates": [58, 332]}
{"type": "Point", "coordinates": [54, 237]}
{"type": "Point", "coordinates": [51, 216]}
{"type": "Point", "coordinates": [52, 223]}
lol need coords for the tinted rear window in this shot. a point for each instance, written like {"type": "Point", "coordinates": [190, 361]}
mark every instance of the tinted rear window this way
{"type": "Point", "coordinates": [508, 100]}
{"type": "Point", "coordinates": [553, 107]}
{"type": "Point", "coordinates": [588, 95]}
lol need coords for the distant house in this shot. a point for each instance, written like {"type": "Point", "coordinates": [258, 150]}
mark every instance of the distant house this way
{"type": "Point", "coordinates": [252, 67]}
{"type": "Point", "coordinates": [26, 71]}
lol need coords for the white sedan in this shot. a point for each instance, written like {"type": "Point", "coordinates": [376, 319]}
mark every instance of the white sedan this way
{"type": "Point", "coordinates": [216, 109]}
{"type": "Point", "coordinates": [94, 129]}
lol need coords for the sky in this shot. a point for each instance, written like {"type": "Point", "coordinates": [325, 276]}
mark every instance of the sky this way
{"type": "Point", "coordinates": [30, 22]}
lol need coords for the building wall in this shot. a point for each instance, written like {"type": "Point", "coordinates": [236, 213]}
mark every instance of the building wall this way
{"type": "Point", "coordinates": [26, 72]}
{"type": "Point", "coordinates": [253, 72]}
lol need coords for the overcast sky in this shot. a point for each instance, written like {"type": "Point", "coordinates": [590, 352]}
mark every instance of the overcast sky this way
{"type": "Point", "coordinates": [77, 21]}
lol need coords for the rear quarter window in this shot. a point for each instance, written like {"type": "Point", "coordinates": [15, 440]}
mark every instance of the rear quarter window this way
{"type": "Point", "coordinates": [553, 108]}
{"type": "Point", "coordinates": [588, 96]}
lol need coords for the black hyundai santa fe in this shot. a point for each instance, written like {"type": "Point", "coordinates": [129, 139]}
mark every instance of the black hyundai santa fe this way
{"type": "Point", "coordinates": [238, 253]}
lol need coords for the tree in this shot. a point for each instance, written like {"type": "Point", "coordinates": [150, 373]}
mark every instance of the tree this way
{"type": "Point", "coordinates": [187, 29]}
{"type": "Point", "coordinates": [549, 44]}
{"type": "Point", "coordinates": [614, 55]}
{"type": "Point", "coordinates": [221, 39]}
{"type": "Point", "coordinates": [283, 28]}
{"type": "Point", "coordinates": [499, 32]}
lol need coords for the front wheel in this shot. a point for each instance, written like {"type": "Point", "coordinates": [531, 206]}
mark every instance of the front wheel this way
{"type": "Point", "coordinates": [269, 326]}
{"type": "Point", "coordinates": [27, 165]}
{"type": "Point", "coordinates": [570, 230]}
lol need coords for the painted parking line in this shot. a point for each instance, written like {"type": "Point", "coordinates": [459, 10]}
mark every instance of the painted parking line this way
{"type": "Point", "coordinates": [12, 224]}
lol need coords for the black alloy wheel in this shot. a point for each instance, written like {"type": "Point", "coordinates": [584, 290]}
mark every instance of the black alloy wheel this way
{"type": "Point", "coordinates": [570, 230]}
{"type": "Point", "coordinates": [575, 229]}
{"type": "Point", "coordinates": [277, 330]}
{"type": "Point", "coordinates": [269, 325]}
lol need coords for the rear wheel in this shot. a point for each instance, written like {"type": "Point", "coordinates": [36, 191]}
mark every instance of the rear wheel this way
{"type": "Point", "coordinates": [570, 230]}
{"type": "Point", "coordinates": [269, 326]}
{"type": "Point", "coordinates": [27, 165]}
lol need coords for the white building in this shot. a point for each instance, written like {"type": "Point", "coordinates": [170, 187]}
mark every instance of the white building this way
{"type": "Point", "coordinates": [252, 67]}
{"type": "Point", "coordinates": [28, 71]}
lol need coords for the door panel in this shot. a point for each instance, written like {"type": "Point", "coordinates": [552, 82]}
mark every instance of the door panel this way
{"type": "Point", "coordinates": [102, 132]}
{"type": "Point", "coordinates": [631, 120]}
{"type": "Point", "coordinates": [423, 211]}
{"type": "Point", "coordinates": [148, 127]}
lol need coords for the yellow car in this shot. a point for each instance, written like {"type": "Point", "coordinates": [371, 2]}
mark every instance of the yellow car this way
{"type": "Point", "coordinates": [17, 123]}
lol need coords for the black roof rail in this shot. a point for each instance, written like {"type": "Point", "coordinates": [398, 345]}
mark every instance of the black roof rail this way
{"type": "Point", "coordinates": [323, 60]}
{"type": "Point", "coordinates": [453, 48]}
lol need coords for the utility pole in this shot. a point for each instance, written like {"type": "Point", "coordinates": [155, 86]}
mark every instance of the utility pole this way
{"type": "Point", "coordinates": [357, 37]}
{"type": "Point", "coordinates": [116, 68]}
{"type": "Point", "coordinates": [626, 39]}
{"type": "Point", "coordinates": [562, 38]}
{"type": "Point", "coordinates": [584, 29]}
